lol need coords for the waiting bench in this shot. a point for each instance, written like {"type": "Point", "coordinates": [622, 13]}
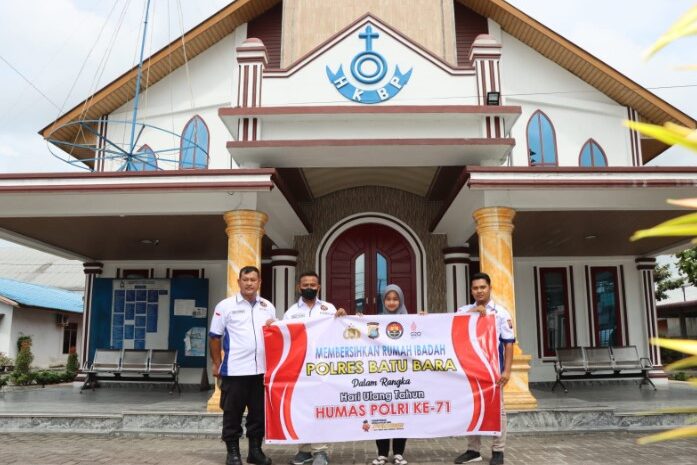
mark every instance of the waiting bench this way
{"type": "Point", "coordinates": [133, 365]}
{"type": "Point", "coordinates": [582, 363]}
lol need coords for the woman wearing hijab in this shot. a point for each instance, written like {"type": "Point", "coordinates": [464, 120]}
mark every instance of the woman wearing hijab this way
{"type": "Point", "coordinates": [392, 304]}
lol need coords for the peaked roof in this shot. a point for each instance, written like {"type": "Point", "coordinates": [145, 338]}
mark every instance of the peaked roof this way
{"type": "Point", "coordinates": [513, 21]}
{"type": "Point", "coordinates": [33, 295]}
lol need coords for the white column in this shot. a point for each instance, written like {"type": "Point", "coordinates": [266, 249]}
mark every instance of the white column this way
{"type": "Point", "coordinates": [92, 270]}
{"type": "Point", "coordinates": [283, 263]}
{"type": "Point", "coordinates": [646, 266]}
{"type": "Point", "coordinates": [457, 261]}
{"type": "Point", "coordinates": [485, 56]}
{"type": "Point", "coordinates": [251, 59]}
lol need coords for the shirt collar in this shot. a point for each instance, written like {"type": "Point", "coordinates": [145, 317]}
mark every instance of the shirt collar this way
{"type": "Point", "coordinates": [241, 299]}
{"type": "Point", "coordinates": [301, 303]}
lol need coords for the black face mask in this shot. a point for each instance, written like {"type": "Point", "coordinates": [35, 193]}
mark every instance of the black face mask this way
{"type": "Point", "coordinates": [308, 293]}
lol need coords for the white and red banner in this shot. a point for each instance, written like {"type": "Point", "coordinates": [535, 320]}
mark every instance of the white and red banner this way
{"type": "Point", "coordinates": [375, 377]}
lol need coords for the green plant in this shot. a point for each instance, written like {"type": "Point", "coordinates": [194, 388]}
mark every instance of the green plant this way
{"type": "Point", "coordinates": [3, 380]}
{"type": "Point", "coordinates": [5, 360]}
{"type": "Point", "coordinates": [23, 341]}
{"type": "Point", "coordinates": [45, 377]}
{"type": "Point", "coordinates": [22, 373]}
{"type": "Point", "coordinates": [72, 366]}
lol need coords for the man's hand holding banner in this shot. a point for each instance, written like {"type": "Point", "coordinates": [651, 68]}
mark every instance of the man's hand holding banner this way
{"type": "Point", "coordinates": [375, 377]}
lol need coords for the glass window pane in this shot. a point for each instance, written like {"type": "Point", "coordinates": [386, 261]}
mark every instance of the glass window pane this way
{"type": "Point", "coordinates": [534, 142]}
{"type": "Point", "coordinates": [548, 145]}
{"type": "Point", "coordinates": [194, 144]}
{"type": "Point", "coordinates": [598, 157]}
{"type": "Point", "coordinates": [359, 303]}
{"type": "Point", "coordinates": [381, 280]}
{"type": "Point", "coordinates": [606, 308]}
{"type": "Point", "coordinates": [586, 158]}
{"type": "Point", "coordinates": [554, 310]}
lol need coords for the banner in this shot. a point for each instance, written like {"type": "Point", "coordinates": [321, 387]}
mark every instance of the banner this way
{"type": "Point", "coordinates": [377, 377]}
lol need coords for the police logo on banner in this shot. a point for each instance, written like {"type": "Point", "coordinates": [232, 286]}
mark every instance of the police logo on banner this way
{"type": "Point", "coordinates": [369, 82]}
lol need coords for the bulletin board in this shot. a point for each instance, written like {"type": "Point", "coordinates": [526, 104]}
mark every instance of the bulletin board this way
{"type": "Point", "coordinates": [151, 314]}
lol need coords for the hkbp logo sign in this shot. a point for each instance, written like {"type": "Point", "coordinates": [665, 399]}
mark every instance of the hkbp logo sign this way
{"type": "Point", "coordinates": [368, 81]}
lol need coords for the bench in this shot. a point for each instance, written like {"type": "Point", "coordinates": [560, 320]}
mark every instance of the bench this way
{"type": "Point", "coordinates": [152, 365]}
{"type": "Point", "coordinates": [583, 363]}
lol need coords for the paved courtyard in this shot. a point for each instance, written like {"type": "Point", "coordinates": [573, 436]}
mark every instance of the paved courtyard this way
{"type": "Point", "coordinates": [578, 449]}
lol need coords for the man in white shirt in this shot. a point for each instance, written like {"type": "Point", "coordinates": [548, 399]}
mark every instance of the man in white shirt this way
{"type": "Point", "coordinates": [237, 331]}
{"type": "Point", "coordinates": [309, 306]}
{"type": "Point", "coordinates": [481, 291]}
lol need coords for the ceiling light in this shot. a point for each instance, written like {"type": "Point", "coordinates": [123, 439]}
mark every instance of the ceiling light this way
{"type": "Point", "coordinates": [590, 237]}
{"type": "Point", "coordinates": [149, 241]}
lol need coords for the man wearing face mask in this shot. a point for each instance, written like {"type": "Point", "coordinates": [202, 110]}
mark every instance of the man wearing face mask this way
{"type": "Point", "coordinates": [309, 306]}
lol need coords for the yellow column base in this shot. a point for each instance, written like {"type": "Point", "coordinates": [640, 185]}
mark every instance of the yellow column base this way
{"type": "Point", "coordinates": [213, 405]}
{"type": "Point", "coordinates": [516, 394]}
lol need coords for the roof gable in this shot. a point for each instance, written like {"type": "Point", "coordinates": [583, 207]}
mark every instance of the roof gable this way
{"type": "Point", "coordinates": [513, 21]}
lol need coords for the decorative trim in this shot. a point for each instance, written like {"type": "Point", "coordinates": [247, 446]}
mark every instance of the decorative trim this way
{"type": "Point", "coordinates": [478, 141]}
{"type": "Point", "coordinates": [386, 220]}
{"type": "Point", "coordinates": [242, 112]}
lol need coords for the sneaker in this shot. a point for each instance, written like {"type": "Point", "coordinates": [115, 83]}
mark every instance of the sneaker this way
{"type": "Point", "coordinates": [381, 460]}
{"type": "Point", "coordinates": [320, 458]}
{"type": "Point", "coordinates": [469, 456]}
{"type": "Point", "coordinates": [301, 458]}
{"type": "Point", "coordinates": [399, 460]}
{"type": "Point", "coordinates": [496, 458]}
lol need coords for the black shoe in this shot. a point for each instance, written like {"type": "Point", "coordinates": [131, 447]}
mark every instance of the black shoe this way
{"type": "Point", "coordinates": [256, 455]}
{"type": "Point", "coordinates": [469, 456]}
{"type": "Point", "coordinates": [233, 452]}
{"type": "Point", "coordinates": [301, 458]}
{"type": "Point", "coordinates": [496, 458]}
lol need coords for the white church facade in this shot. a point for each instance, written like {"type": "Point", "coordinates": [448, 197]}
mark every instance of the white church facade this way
{"type": "Point", "coordinates": [411, 142]}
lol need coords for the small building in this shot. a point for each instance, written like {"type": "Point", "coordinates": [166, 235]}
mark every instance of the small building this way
{"type": "Point", "coordinates": [51, 316]}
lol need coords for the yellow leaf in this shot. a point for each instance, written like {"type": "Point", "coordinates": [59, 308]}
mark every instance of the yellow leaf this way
{"type": "Point", "coordinates": [684, 226]}
{"type": "Point", "coordinates": [677, 433]}
{"type": "Point", "coordinates": [686, 346]}
{"type": "Point", "coordinates": [687, 203]}
{"type": "Point", "coordinates": [685, 26]}
{"type": "Point", "coordinates": [684, 363]}
{"type": "Point", "coordinates": [670, 134]}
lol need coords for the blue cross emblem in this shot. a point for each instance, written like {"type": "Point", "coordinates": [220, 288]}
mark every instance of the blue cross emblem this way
{"type": "Point", "coordinates": [368, 67]}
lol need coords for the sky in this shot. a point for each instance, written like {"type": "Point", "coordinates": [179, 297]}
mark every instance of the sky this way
{"type": "Point", "coordinates": [68, 49]}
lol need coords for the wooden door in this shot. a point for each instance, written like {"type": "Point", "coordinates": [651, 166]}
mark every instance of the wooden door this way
{"type": "Point", "coordinates": [362, 261]}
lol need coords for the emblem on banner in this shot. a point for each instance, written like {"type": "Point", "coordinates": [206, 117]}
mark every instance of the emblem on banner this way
{"type": "Point", "coordinates": [352, 333]}
{"type": "Point", "coordinates": [373, 330]}
{"type": "Point", "coordinates": [394, 330]}
{"type": "Point", "coordinates": [369, 81]}
{"type": "Point", "coordinates": [414, 330]}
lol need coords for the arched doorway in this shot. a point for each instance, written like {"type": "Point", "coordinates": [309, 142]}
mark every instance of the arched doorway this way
{"type": "Point", "coordinates": [362, 260]}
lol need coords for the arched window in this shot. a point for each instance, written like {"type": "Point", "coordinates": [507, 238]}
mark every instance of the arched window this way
{"type": "Point", "coordinates": [144, 160]}
{"type": "Point", "coordinates": [542, 141]}
{"type": "Point", "coordinates": [194, 145]}
{"type": "Point", "coordinates": [592, 155]}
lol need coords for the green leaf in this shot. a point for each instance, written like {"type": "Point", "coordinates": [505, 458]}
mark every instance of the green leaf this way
{"type": "Point", "coordinates": [677, 433]}
{"type": "Point", "coordinates": [684, 363]}
{"type": "Point", "coordinates": [670, 134]}
{"type": "Point", "coordinates": [687, 346]}
{"type": "Point", "coordinates": [685, 26]}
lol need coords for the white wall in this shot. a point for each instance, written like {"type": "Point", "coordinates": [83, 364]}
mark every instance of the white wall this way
{"type": "Point", "coordinates": [526, 310]}
{"type": "Point", "coordinates": [47, 337]}
{"type": "Point", "coordinates": [168, 104]}
{"type": "Point", "coordinates": [7, 346]}
{"type": "Point", "coordinates": [577, 110]}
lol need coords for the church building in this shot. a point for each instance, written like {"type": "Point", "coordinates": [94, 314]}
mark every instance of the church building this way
{"type": "Point", "coordinates": [413, 142]}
